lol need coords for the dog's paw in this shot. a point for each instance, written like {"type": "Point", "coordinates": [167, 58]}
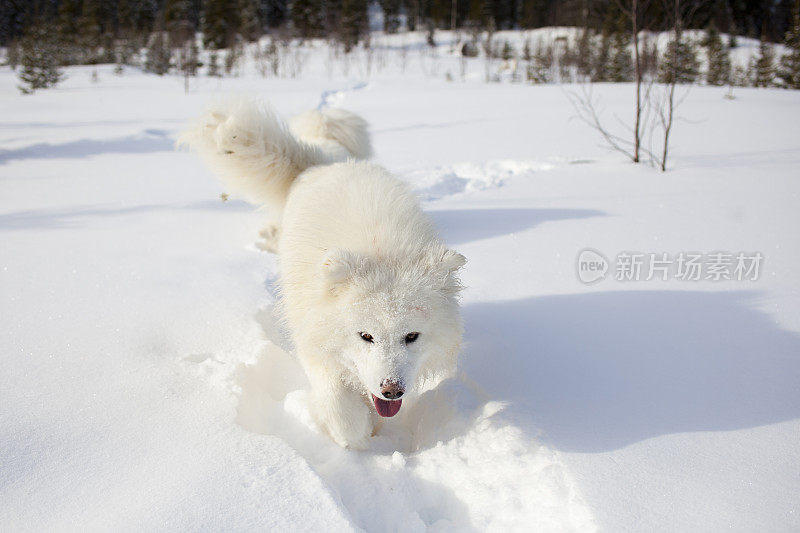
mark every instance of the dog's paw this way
{"type": "Point", "coordinates": [347, 420]}
{"type": "Point", "coordinates": [350, 442]}
{"type": "Point", "coordinates": [270, 236]}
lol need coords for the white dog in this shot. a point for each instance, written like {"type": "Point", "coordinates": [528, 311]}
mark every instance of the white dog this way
{"type": "Point", "coordinates": [368, 289]}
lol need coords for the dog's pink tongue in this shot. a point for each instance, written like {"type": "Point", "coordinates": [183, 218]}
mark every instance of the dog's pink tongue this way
{"type": "Point", "coordinates": [386, 408]}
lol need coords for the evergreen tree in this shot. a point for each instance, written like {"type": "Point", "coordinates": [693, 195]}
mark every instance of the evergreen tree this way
{"type": "Point", "coordinates": [584, 54]}
{"type": "Point", "coordinates": [178, 21]}
{"type": "Point", "coordinates": [600, 70]}
{"type": "Point", "coordinates": [353, 23]}
{"type": "Point", "coordinates": [89, 31]}
{"type": "Point", "coordinates": [220, 24]}
{"type": "Point", "coordinates": [189, 61]}
{"type": "Point", "coordinates": [125, 51]}
{"type": "Point", "coordinates": [719, 64]}
{"type": "Point", "coordinates": [679, 63]}
{"type": "Point", "coordinates": [621, 66]}
{"type": "Point", "coordinates": [308, 17]}
{"type": "Point", "coordinates": [145, 14]}
{"type": "Point", "coordinates": [213, 65]}
{"type": "Point", "coordinates": [125, 17]}
{"type": "Point", "coordinates": [234, 57]}
{"type": "Point", "coordinates": [765, 65]}
{"type": "Point", "coordinates": [732, 41]}
{"type": "Point", "coordinates": [507, 51]}
{"type": "Point", "coordinates": [69, 11]}
{"type": "Point", "coordinates": [158, 54]}
{"type": "Point", "coordinates": [789, 69]}
{"type": "Point", "coordinates": [274, 12]}
{"type": "Point", "coordinates": [534, 13]}
{"type": "Point", "coordinates": [412, 14]}
{"type": "Point", "coordinates": [477, 14]}
{"type": "Point", "coordinates": [40, 52]}
{"type": "Point", "coordinates": [249, 21]}
{"type": "Point", "coordinates": [541, 65]}
{"type": "Point", "coordinates": [391, 15]}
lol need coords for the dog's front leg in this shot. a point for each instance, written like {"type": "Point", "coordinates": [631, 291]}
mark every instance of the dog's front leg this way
{"type": "Point", "coordinates": [341, 411]}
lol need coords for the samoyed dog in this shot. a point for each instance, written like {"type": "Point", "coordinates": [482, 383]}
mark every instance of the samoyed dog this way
{"type": "Point", "coordinates": [368, 290]}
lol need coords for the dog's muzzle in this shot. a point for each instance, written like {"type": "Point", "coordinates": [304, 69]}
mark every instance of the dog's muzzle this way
{"type": "Point", "coordinates": [390, 404]}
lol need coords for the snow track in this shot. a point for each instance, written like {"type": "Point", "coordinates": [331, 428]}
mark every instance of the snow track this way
{"type": "Point", "coordinates": [439, 182]}
{"type": "Point", "coordinates": [452, 461]}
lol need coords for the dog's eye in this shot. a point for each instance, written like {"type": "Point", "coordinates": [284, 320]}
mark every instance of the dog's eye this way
{"type": "Point", "coordinates": [367, 337]}
{"type": "Point", "coordinates": [411, 337]}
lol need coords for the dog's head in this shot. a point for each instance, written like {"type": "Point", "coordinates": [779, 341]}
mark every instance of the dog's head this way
{"type": "Point", "coordinates": [396, 320]}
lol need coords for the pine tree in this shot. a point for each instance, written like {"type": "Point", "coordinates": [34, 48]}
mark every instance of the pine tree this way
{"type": "Point", "coordinates": [477, 14]}
{"type": "Point", "coordinates": [765, 65]}
{"type": "Point", "coordinates": [249, 21]}
{"type": "Point", "coordinates": [719, 64]}
{"type": "Point", "coordinates": [234, 57]}
{"type": "Point", "coordinates": [213, 65]}
{"type": "Point", "coordinates": [189, 61]}
{"type": "Point", "coordinates": [507, 51]}
{"type": "Point", "coordinates": [789, 70]}
{"type": "Point", "coordinates": [158, 54]}
{"type": "Point", "coordinates": [220, 24]}
{"type": "Point", "coordinates": [178, 21]}
{"type": "Point", "coordinates": [353, 22]}
{"type": "Point", "coordinates": [679, 63]}
{"type": "Point", "coordinates": [584, 54]}
{"type": "Point", "coordinates": [391, 15]}
{"type": "Point", "coordinates": [88, 36]}
{"type": "Point", "coordinates": [274, 12]}
{"type": "Point", "coordinates": [732, 41]}
{"type": "Point", "coordinates": [308, 17]}
{"type": "Point", "coordinates": [600, 70]}
{"type": "Point", "coordinates": [541, 65]}
{"type": "Point", "coordinates": [412, 14]}
{"type": "Point", "coordinates": [69, 11]}
{"type": "Point", "coordinates": [40, 52]}
{"type": "Point", "coordinates": [621, 66]}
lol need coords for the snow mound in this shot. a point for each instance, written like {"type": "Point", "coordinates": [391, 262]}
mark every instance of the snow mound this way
{"type": "Point", "coordinates": [452, 460]}
{"type": "Point", "coordinates": [433, 184]}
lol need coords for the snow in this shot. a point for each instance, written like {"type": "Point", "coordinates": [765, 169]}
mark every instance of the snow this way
{"type": "Point", "coordinates": [145, 383]}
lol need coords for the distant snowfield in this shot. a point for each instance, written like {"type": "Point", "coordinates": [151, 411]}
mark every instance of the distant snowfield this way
{"type": "Point", "coordinates": [145, 383]}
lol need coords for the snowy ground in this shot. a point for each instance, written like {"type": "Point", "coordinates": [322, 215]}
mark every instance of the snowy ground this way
{"type": "Point", "coordinates": [145, 385]}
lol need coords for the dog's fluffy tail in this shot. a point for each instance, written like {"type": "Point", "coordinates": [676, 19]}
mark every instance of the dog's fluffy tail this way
{"type": "Point", "coordinates": [334, 130]}
{"type": "Point", "coordinates": [255, 154]}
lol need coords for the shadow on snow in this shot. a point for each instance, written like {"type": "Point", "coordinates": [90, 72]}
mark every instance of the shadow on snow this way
{"type": "Point", "coordinates": [82, 215]}
{"type": "Point", "coordinates": [459, 226]}
{"type": "Point", "coordinates": [146, 142]}
{"type": "Point", "coordinates": [600, 371]}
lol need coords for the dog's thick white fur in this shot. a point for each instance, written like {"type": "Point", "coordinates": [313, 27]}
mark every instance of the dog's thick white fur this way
{"type": "Point", "coordinates": [368, 289]}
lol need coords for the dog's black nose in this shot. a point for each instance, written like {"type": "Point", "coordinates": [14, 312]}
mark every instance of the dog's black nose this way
{"type": "Point", "coordinates": [391, 389]}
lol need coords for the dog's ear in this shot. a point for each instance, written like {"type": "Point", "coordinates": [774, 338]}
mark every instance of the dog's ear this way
{"type": "Point", "coordinates": [338, 266]}
{"type": "Point", "coordinates": [452, 260]}
{"type": "Point", "coordinates": [447, 262]}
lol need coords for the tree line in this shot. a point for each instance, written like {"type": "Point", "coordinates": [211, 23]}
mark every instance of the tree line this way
{"type": "Point", "coordinates": [163, 36]}
{"type": "Point", "coordinates": [221, 21]}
